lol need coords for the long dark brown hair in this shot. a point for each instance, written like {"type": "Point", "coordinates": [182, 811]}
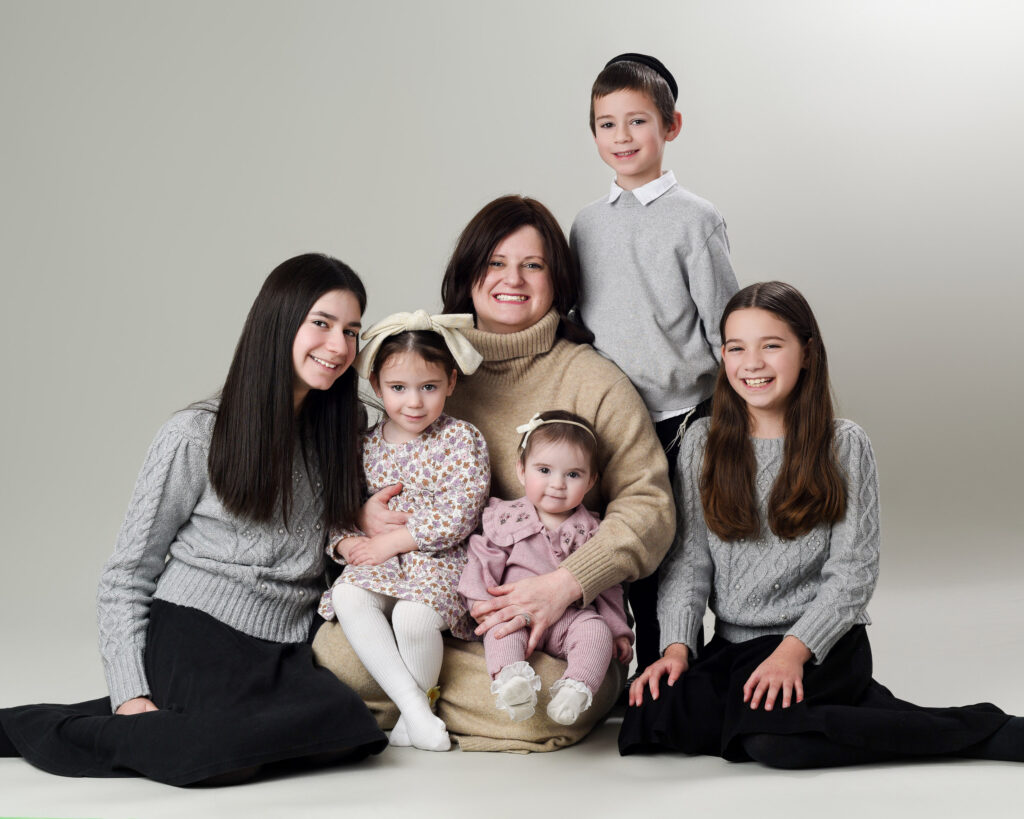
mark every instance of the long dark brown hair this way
{"type": "Point", "coordinates": [257, 428]}
{"type": "Point", "coordinates": [495, 221]}
{"type": "Point", "coordinates": [809, 488]}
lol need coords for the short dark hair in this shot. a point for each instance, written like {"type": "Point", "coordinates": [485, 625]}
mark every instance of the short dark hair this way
{"type": "Point", "coordinates": [631, 76]}
{"type": "Point", "coordinates": [496, 220]}
{"type": "Point", "coordinates": [427, 344]}
{"type": "Point", "coordinates": [584, 439]}
{"type": "Point", "coordinates": [254, 436]}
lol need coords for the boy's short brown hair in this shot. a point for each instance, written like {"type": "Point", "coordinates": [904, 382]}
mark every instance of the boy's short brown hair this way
{"type": "Point", "coordinates": [631, 76]}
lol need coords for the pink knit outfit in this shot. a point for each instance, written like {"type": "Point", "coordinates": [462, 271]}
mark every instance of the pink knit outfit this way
{"type": "Point", "coordinates": [515, 544]}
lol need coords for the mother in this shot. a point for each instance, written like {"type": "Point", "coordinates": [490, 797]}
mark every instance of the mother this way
{"type": "Point", "coordinates": [512, 268]}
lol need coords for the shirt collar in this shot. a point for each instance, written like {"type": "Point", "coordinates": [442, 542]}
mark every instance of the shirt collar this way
{"type": "Point", "coordinates": [646, 194]}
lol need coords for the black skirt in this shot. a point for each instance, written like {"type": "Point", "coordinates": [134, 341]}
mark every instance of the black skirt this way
{"type": "Point", "coordinates": [227, 702]}
{"type": "Point", "coordinates": [704, 712]}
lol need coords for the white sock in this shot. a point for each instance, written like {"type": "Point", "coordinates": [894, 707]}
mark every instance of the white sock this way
{"type": "Point", "coordinates": [362, 615]}
{"type": "Point", "coordinates": [418, 634]}
{"type": "Point", "coordinates": [515, 690]}
{"type": "Point", "coordinates": [399, 736]}
{"type": "Point", "coordinates": [569, 699]}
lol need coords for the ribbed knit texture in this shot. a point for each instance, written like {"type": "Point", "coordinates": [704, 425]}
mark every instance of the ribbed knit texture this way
{"type": "Point", "coordinates": [179, 544]}
{"type": "Point", "coordinates": [532, 371]}
{"type": "Point", "coordinates": [656, 278]}
{"type": "Point", "coordinates": [814, 587]}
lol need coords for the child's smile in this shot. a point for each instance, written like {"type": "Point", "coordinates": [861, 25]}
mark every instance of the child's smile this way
{"type": "Point", "coordinates": [763, 360]}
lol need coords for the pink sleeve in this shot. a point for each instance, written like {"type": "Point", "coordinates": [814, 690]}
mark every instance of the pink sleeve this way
{"type": "Point", "coordinates": [609, 605]}
{"type": "Point", "coordinates": [485, 568]}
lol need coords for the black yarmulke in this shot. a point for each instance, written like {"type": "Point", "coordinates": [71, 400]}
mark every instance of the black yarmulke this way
{"type": "Point", "coordinates": [654, 64]}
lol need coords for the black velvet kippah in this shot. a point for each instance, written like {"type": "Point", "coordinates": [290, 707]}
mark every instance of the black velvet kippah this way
{"type": "Point", "coordinates": [654, 64]}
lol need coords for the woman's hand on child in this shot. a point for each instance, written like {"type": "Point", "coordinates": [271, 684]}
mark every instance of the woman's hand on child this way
{"type": "Point", "coordinates": [782, 671]}
{"type": "Point", "coordinates": [674, 662]}
{"type": "Point", "coordinates": [375, 517]}
{"type": "Point", "coordinates": [623, 650]}
{"type": "Point", "coordinates": [542, 599]}
{"type": "Point", "coordinates": [136, 705]}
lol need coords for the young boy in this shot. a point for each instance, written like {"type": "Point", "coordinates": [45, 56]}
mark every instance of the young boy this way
{"type": "Point", "coordinates": [655, 268]}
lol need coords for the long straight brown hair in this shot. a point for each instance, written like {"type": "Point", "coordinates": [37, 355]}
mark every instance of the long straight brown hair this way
{"type": "Point", "coordinates": [809, 488]}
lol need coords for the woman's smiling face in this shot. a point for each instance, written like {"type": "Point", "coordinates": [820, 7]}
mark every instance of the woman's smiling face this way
{"type": "Point", "coordinates": [515, 292]}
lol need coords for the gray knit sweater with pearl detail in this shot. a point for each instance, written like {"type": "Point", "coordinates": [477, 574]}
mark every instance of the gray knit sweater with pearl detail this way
{"type": "Point", "coordinates": [179, 544]}
{"type": "Point", "coordinates": [814, 587]}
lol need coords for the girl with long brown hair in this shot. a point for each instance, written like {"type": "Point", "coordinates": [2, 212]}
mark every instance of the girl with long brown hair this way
{"type": "Point", "coordinates": [779, 535]}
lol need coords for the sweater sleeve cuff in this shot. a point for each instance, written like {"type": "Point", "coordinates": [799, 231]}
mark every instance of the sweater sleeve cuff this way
{"type": "Point", "coordinates": [818, 634]}
{"type": "Point", "coordinates": [594, 570]}
{"type": "Point", "coordinates": [126, 679]}
{"type": "Point", "coordinates": [684, 627]}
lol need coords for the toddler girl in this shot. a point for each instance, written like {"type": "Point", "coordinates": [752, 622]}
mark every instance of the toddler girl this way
{"type": "Point", "coordinates": [779, 533]}
{"type": "Point", "coordinates": [409, 573]}
{"type": "Point", "coordinates": [529, 537]}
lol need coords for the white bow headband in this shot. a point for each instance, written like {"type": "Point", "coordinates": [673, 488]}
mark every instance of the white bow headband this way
{"type": "Point", "coordinates": [448, 326]}
{"type": "Point", "coordinates": [537, 421]}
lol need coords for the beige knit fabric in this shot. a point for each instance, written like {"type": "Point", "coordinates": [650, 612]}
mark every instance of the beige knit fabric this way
{"type": "Point", "coordinates": [466, 704]}
{"type": "Point", "coordinates": [532, 371]}
{"type": "Point", "coordinates": [523, 373]}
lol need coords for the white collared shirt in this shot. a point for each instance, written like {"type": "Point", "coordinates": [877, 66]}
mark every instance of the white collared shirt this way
{"type": "Point", "coordinates": [646, 194]}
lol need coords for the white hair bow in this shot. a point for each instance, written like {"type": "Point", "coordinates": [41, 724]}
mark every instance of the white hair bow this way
{"type": "Point", "coordinates": [537, 421]}
{"type": "Point", "coordinates": [448, 326]}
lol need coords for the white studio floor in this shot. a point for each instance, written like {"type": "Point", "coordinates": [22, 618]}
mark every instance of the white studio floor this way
{"type": "Point", "coordinates": [946, 639]}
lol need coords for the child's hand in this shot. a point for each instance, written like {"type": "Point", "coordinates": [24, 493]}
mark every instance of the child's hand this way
{"type": "Point", "coordinates": [375, 517]}
{"type": "Point", "coordinates": [623, 650]}
{"type": "Point", "coordinates": [345, 546]}
{"type": "Point", "coordinates": [783, 671]}
{"type": "Point", "coordinates": [675, 661]}
{"type": "Point", "coordinates": [136, 705]}
{"type": "Point", "coordinates": [370, 551]}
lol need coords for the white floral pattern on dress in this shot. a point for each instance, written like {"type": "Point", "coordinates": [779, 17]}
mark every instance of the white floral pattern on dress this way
{"type": "Point", "coordinates": [445, 475]}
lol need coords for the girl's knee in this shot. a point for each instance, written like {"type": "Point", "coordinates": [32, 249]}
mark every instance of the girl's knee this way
{"type": "Point", "coordinates": [410, 617]}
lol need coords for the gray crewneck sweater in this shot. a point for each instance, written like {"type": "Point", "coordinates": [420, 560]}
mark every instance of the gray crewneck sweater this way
{"type": "Point", "coordinates": [179, 544]}
{"type": "Point", "coordinates": [655, 279]}
{"type": "Point", "coordinates": [814, 587]}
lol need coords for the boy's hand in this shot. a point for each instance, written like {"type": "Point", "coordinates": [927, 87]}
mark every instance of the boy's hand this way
{"type": "Point", "coordinates": [782, 670]}
{"type": "Point", "coordinates": [623, 650]}
{"type": "Point", "coordinates": [675, 661]}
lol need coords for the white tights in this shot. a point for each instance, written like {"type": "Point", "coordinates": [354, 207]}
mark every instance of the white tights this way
{"type": "Point", "coordinates": [403, 655]}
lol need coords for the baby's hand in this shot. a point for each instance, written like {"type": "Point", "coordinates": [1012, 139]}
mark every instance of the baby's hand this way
{"type": "Point", "coordinates": [345, 546]}
{"type": "Point", "coordinates": [623, 650]}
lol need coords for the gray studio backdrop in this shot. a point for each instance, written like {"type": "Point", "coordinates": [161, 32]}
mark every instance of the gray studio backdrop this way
{"type": "Point", "coordinates": [158, 159]}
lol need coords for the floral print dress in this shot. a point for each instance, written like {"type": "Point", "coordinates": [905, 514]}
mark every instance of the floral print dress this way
{"type": "Point", "coordinates": [445, 476]}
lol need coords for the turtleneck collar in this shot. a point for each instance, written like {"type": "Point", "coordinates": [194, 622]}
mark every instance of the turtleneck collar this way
{"type": "Point", "coordinates": [529, 342]}
{"type": "Point", "coordinates": [507, 356]}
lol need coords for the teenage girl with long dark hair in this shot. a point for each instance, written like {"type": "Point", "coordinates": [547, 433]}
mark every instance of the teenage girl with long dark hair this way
{"type": "Point", "coordinates": [779, 534]}
{"type": "Point", "coordinates": [206, 602]}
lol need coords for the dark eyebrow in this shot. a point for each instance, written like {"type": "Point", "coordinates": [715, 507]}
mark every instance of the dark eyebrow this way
{"type": "Point", "coordinates": [322, 314]}
{"type": "Point", "coordinates": [763, 338]}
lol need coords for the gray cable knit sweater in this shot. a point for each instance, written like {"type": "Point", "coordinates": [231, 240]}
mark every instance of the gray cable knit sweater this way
{"type": "Point", "coordinates": [179, 544]}
{"type": "Point", "coordinates": [814, 587]}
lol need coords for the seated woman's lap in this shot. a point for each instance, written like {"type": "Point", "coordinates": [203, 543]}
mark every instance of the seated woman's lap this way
{"type": "Point", "coordinates": [466, 704]}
